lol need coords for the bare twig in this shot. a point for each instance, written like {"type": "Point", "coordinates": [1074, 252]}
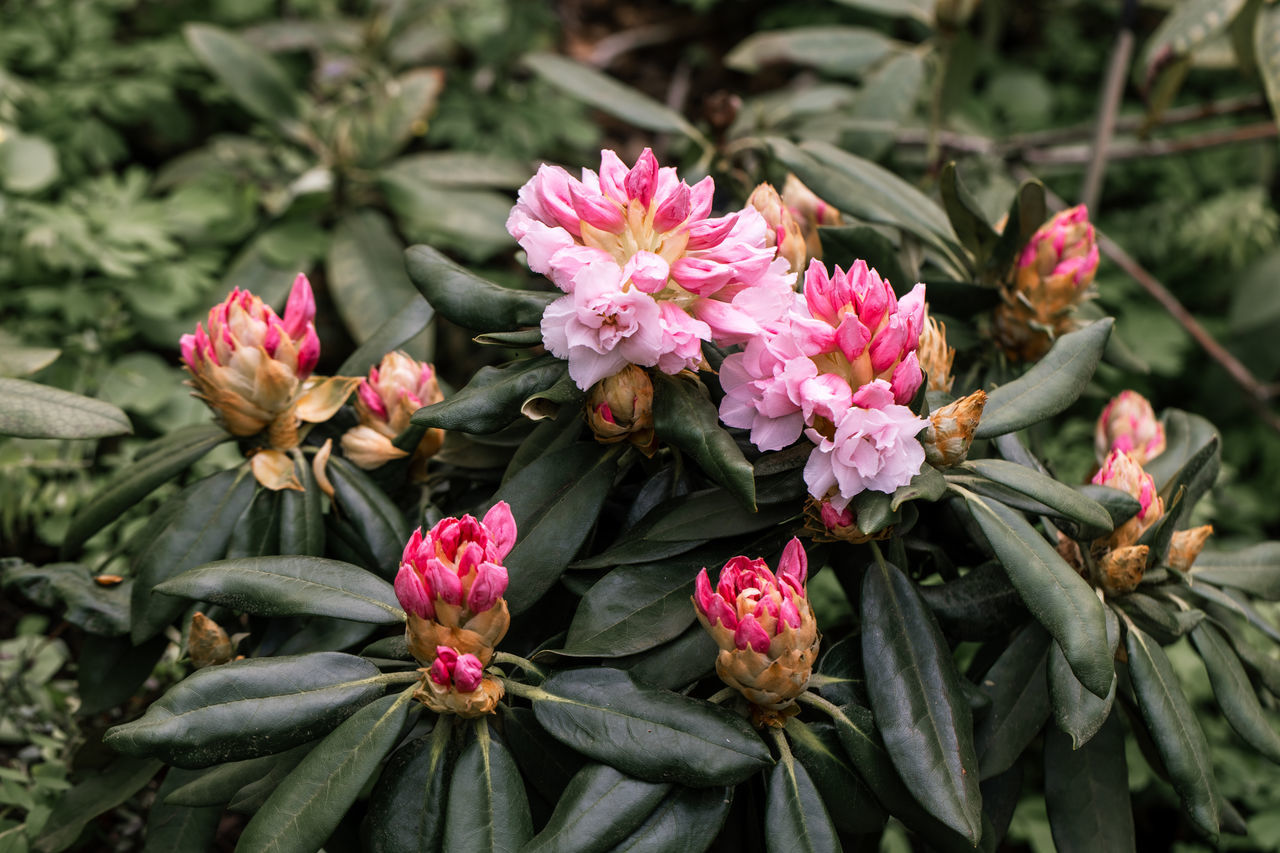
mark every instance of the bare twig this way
{"type": "Point", "coordinates": [1064, 155]}
{"type": "Point", "coordinates": [1108, 107]}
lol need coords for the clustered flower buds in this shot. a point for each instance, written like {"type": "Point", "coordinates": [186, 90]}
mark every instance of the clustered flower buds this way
{"type": "Point", "coordinates": [395, 389]}
{"type": "Point", "coordinates": [620, 408]}
{"type": "Point", "coordinates": [1129, 424]}
{"type": "Point", "coordinates": [825, 523]}
{"type": "Point", "coordinates": [765, 628]}
{"type": "Point", "coordinates": [451, 583]}
{"type": "Point", "coordinates": [1121, 471]}
{"type": "Point", "coordinates": [1052, 276]}
{"type": "Point", "coordinates": [254, 370]}
{"type": "Point", "coordinates": [648, 274]}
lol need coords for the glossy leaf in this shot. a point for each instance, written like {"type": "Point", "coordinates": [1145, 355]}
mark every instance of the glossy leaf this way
{"type": "Point", "coordinates": [99, 793]}
{"type": "Point", "coordinates": [1175, 730]}
{"type": "Point", "coordinates": [1186, 435]}
{"type": "Point", "coordinates": [794, 817]}
{"type": "Point", "coordinates": [407, 321]}
{"type": "Point", "coordinates": [217, 785]}
{"type": "Point", "coordinates": [1121, 506]}
{"type": "Point", "coordinates": [837, 50]}
{"type": "Point", "coordinates": [555, 502]}
{"type": "Point", "coordinates": [306, 807]}
{"type": "Point", "coordinates": [1075, 709]}
{"type": "Point", "coordinates": [1050, 386]}
{"type": "Point", "coordinates": [157, 463]}
{"type": "Point", "coordinates": [257, 530]}
{"type": "Point", "coordinates": [600, 808]}
{"type": "Point", "coordinates": [301, 515]}
{"type": "Point", "coordinates": [689, 819]}
{"type": "Point", "coordinates": [32, 410]}
{"type": "Point", "coordinates": [631, 609]}
{"type": "Point", "coordinates": [488, 810]}
{"type": "Point", "coordinates": [1019, 705]}
{"type": "Point", "coordinates": [1235, 695]}
{"type": "Point", "coordinates": [652, 734]}
{"type": "Point", "coordinates": [546, 764]}
{"type": "Point", "coordinates": [407, 805]}
{"type": "Point", "coordinates": [1255, 569]}
{"type": "Point", "coordinates": [1087, 791]}
{"type": "Point", "coordinates": [467, 299]}
{"type": "Point", "coordinates": [290, 586]}
{"type": "Point", "coordinates": [204, 719]}
{"type": "Point", "coordinates": [684, 415]}
{"type": "Point", "coordinates": [253, 77]}
{"type": "Point", "coordinates": [1055, 594]}
{"type": "Point", "coordinates": [365, 272]}
{"type": "Point", "coordinates": [379, 522]}
{"type": "Point", "coordinates": [920, 709]}
{"type": "Point", "coordinates": [174, 827]}
{"type": "Point", "coordinates": [968, 220]}
{"type": "Point", "coordinates": [493, 397]}
{"type": "Point", "coordinates": [845, 244]}
{"type": "Point", "coordinates": [196, 534]}
{"type": "Point", "coordinates": [981, 605]}
{"type": "Point", "coordinates": [608, 95]}
{"type": "Point", "coordinates": [1093, 518]}
{"type": "Point", "coordinates": [674, 665]}
{"type": "Point", "coordinates": [852, 807]}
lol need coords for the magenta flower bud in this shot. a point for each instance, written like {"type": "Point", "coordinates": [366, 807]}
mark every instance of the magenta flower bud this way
{"type": "Point", "coordinates": [414, 593]}
{"type": "Point", "coordinates": [1129, 424]}
{"type": "Point", "coordinates": [1121, 471]}
{"type": "Point", "coordinates": [642, 180]}
{"type": "Point", "coordinates": [501, 526]}
{"type": "Point", "coordinates": [385, 401]}
{"type": "Point", "coordinates": [300, 309]}
{"type": "Point", "coordinates": [439, 671]}
{"type": "Point", "coordinates": [467, 673]}
{"type": "Point", "coordinates": [487, 587]}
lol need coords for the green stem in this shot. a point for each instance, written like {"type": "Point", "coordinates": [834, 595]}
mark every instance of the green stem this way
{"type": "Point", "coordinates": [524, 691]}
{"type": "Point", "coordinates": [396, 678]}
{"type": "Point", "coordinates": [723, 695]}
{"type": "Point", "coordinates": [875, 549]}
{"type": "Point", "coordinates": [827, 706]}
{"type": "Point", "coordinates": [516, 660]}
{"type": "Point", "coordinates": [784, 748]}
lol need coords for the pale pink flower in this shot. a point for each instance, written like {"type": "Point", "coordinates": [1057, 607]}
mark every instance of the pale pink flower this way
{"type": "Point", "coordinates": [873, 446]}
{"type": "Point", "coordinates": [721, 274]}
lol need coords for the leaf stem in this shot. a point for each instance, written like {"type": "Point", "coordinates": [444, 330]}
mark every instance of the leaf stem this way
{"type": "Point", "coordinates": [523, 663]}
{"type": "Point", "coordinates": [722, 695]}
{"type": "Point", "coordinates": [396, 677]}
{"type": "Point", "coordinates": [826, 705]}
{"type": "Point", "coordinates": [524, 691]}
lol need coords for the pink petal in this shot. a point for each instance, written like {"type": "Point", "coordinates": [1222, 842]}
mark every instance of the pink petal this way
{"type": "Point", "coordinates": [489, 585]}
{"type": "Point", "coordinates": [501, 525]}
{"type": "Point", "coordinates": [300, 310]}
{"type": "Point", "coordinates": [794, 565]}
{"type": "Point", "coordinates": [642, 180]}
{"type": "Point", "coordinates": [750, 634]}
{"type": "Point", "coordinates": [467, 673]}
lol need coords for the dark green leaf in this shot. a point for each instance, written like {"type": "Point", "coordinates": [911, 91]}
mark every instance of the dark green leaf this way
{"type": "Point", "coordinates": [1087, 791]}
{"type": "Point", "coordinates": [1055, 594]}
{"type": "Point", "coordinates": [1027, 213]}
{"type": "Point", "coordinates": [981, 605]}
{"type": "Point", "coordinates": [197, 533]}
{"type": "Point", "coordinates": [631, 609]}
{"type": "Point", "coordinates": [555, 502]}
{"type": "Point", "coordinates": [684, 415]}
{"type": "Point", "coordinates": [794, 817]}
{"type": "Point", "coordinates": [1075, 709]}
{"type": "Point", "coordinates": [846, 244]}
{"type": "Point", "coordinates": [32, 410]}
{"type": "Point", "coordinates": [1234, 693]}
{"type": "Point", "coordinates": [1255, 569]}
{"type": "Point", "coordinates": [407, 805]}
{"type": "Point", "coordinates": [1185, 436]}
{"type": "Point", "coordinates": [1093, 518]}
{"type": "Point", "coordinates": [837, 50]}
{"type": "Point", "coordinates": [205, 719]}
{"type": "Point", "coordinates": [1019, 701]}
{"type": "Point", "coordinates": [309, 803]}
{"type": "Point", "coordinates": [365, 272]}
{"type": "Point", "coordinates": [493, 397]}
{"type": "Point", "coordinates": [928, 485]}
{"type": "Point", "coordinates": [467, 299]}
{"type": "Point", "coordinates": [254, 78]}
{"type": "Point", "coordinates": [290, 586]}
{"type": "Point", "coordinates": [379, 522]}
{"type": "Point", "coordinates": [175, 827]}
{"type": "Point", "coordinates": [217, 785]}
{"type": "Point", "coordinates": [409, 319]}
{"type": "Point", "coordinates": [648, 733]}
{"type": "Point", "coordinates": [111, 669]}
{"type": "Point", "coordinates": [1121, 506]}
{"type": "Point", "coordinates": [1175, 730]}
{"type": "Point", "coordinates": [546, 764]}
{"type": "Point", "coordinates": [676, 664]}
{"type": "Point", "coordinates": [464, 169]}
{"type": "Point", "coordinates": [257, 530]}
{"type": "Point", "coordinates": [852, 807]}
{"type": "Point", "coordinates": [96, 609]}
{"type": "Point", "coordinates": [967, 218]}
{"type": "Point", "coordinates": [158, 463]}
{"type": "Point", "coordinates": [488, 810]}
{"type": "Point", "coordinates": [607, 94]}
{"type": "Point", "coordinates": [688, 820]}
{"type": "Point", "coordinates": [470, 222]}
{"type": "Point", "coordinates": [100, 792]}
{"type": "Point", "coordinates": [599, 809]}
{"type": "Point", "coordinates": [301, 516]}
{"type": "Point", "coordinates": [919, 707]}
{"type": "Point", "coordinates": [1050, 386]}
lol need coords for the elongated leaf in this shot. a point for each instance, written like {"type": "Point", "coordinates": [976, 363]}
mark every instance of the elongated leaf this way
{"type": "Point", "coordinates": [1266, 46]}
{"type": "Point", "coordinates": [915, 693]}
{"type": "Point", "coordinates": [379, 522]}
{"type": "Point", "coordinates": [290, 586]}
{"type": "Point", "coordinates": [1075, 709]}
{"type": "Point", "coordinates": [1027, 213]}
{"type": "Point", "coordinates": [463, 169]}
{"type": "Point", "coordinates": [555, 502]}
{"type": "Point", "coordinates": [257, 530]}
{"type": "Point", "coordinates": [32, 410]}
{"type": "Point", "coordinates": [850, 804]}
{"type": "Point", "coordinates": [254, 78]}
{"type": "Point", "coordinates": [1019, 701]}
{"type": "Point", "coordinates": [467, 299]}
{"type": "Point", "coordinates": [837, 50]}
{"type": "Point", "coordinates": [196, 534]}
{"type": "Point", "coordinates": [158, 463]}
{"type": "Point", "coordinates": [794, 817]}
{"type": "Point", "coordinates": [631, 609]}
{"type": "Point", "coordinates": [1189, 25]}
{"type": "Point", "coordinates": [111, 669]}
{"type": "Point", "coordinates": [921, 10]}
{"type": "Point", "coordinates": [1234, 693]}
{"type": "Point", "coordinates": [1086, 790]}
{"type": "Point", "coordinates": [366, 275]}
{"type": "Point", "coordinates": [688, 819]}
{"type": "Point", "coordinates": [488, 810]}
{"type": "Point", "coordinates": [470, 222]}
{"type": "Point", "coordinates": [493, 397]}
{"type": "Point", "coordinates": [174, 827]}
{"type": "Point", "coordinates": [928, 485]}
{"type": "Point", "coordinates": [886, 100]}
{"type": "Point", "coordinates": [968, 220]}
{"type": "Point", "coordinates": [546, 764]}
{"type": "Point", "coordinates": [94, 608]}
{"type": "Point", "coordinates": [607, 94]}
{"type": "Point", "coordinates": [1055, 594]}
{"type": "Point", "coordinates": [249, 708]}
{"type": "Point", "coordinates": [981, 605]}
{"type": "Point", "coordinates": [846, 244]}
{"type": "Point", "coordinates": [599, 809]}
{"type": "Point", "coordinates": [652, 734]}
{"type": "Point", "coordinates": [407, 321]}
{"type": "Point", "coordinates": [1093, 518]}
{"type": "Point", "coordinates": [407, 805]}
{"type": "Point", "coordinates": [1050, 386]}
{"type": "Point", "coordinates": [301, 516]}
{"type": "Point", "coordinates": [1255, 569]}
{"type": "Point", "coordinates": [217, 785]}
{"type": "Point", "coordinates": [1175, 730]}
{"type": "Point", "coordinates": [309, 803]}
{"type": "Point", "coordinates": [1121, 506]}
{"type": "Point", "coordinates": [674, 665]}
{"type": "Point", "coordinates": [99, 793]}
{"type": "Point", "coordinates": [684, 415]}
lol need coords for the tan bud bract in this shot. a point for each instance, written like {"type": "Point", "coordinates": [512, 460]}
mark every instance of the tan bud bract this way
{"type": "Point", "coordinates": [207, 643]}
{"type": "Point", "coordinates": [935, 356]}
{"type": "Point", "coordinates": [620, 408]}
{"type": "Point", "coordinates": [950, 432]}
{"type": "Point", "coordinates": [478, 635]}
{"type": "Point", "coordinates": [1186, 545]}
{"type": "Point", "coordinates": [448, 700]}
{"type": "Point", "coordinates": [1121, 569]}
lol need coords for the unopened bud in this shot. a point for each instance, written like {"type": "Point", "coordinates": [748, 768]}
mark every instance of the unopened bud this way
{"type": "Point", "coordinates": [784, 232]}
{"type": "Point", "coordinates": [620, 408]}
{"type": "Point", "coordinates": [396, 388]}
{"type": "Point", "coordinates": [1186, 545]}
{"type": "Point", "coordinates": [1120, 471]}
{"type": "Point", "coordinates": [811, 212]}
{"type": "Point", "coordinates": [1129, 424]}
{"type": "Point", "coordinates": [455, 684]}
{"type": "Point", "coordinates": [207, 643]}
{"type": "Point", "coordinates": [935, 356]}
{"type": "Point", "coordinates": [1121, 569]}
{"type": "Point", "coordinates": [828, 524]}
{"type": "Point", "coordinates": [950, 432]}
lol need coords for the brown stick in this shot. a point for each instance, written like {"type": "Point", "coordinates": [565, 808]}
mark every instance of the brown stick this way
{"type": "Point", "coordinates": [1063, 155]}
{"type": "Point", "coordinates": [1108, 106]}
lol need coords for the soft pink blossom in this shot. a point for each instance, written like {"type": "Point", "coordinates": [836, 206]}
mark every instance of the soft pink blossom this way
{"type": "Point", "coordinates": [750, 603]}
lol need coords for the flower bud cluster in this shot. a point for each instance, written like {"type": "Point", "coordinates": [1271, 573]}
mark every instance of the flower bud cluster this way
{"type": "Point", "coordinates": [1129, 424]}
{"type": "Point", "coordinates": [396, 388]}
{"type": "Point", "coordinates": [620, 408]}
{"type": "Point", "coordinates": [450, 583]}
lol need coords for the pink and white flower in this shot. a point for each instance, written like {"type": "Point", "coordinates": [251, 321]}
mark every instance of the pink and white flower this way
{"type": "Point", "coordinates": [699, 278]}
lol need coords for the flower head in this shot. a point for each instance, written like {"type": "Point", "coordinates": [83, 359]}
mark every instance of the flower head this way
{"type": "Point", "coordinates": [396, 388]}
{"type": "Point", "coordinates": [1128, 424]}
{"type": "Point", "coordinates": [764, 626]}
{"type": "Point", "coordinates": [634, 240]}
{"type": "Point", "coordinates": [1121, 471]}
{"type": "Point", "coordinates": [451, 582]}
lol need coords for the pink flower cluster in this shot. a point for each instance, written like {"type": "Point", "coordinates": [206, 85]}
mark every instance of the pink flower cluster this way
{"type": "Point", "coordinates": [458, 563]}
{"type": "Point", "coordinates": [838, 368]}
{"type": "Point", "coordinates": [1129, 424]}
{"type": "Point", "coordinates": [450, 669]}
{"type": "Point", "coordinates": [753, 603]}
{"type": "Point", "coordinates": [648, 274]}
